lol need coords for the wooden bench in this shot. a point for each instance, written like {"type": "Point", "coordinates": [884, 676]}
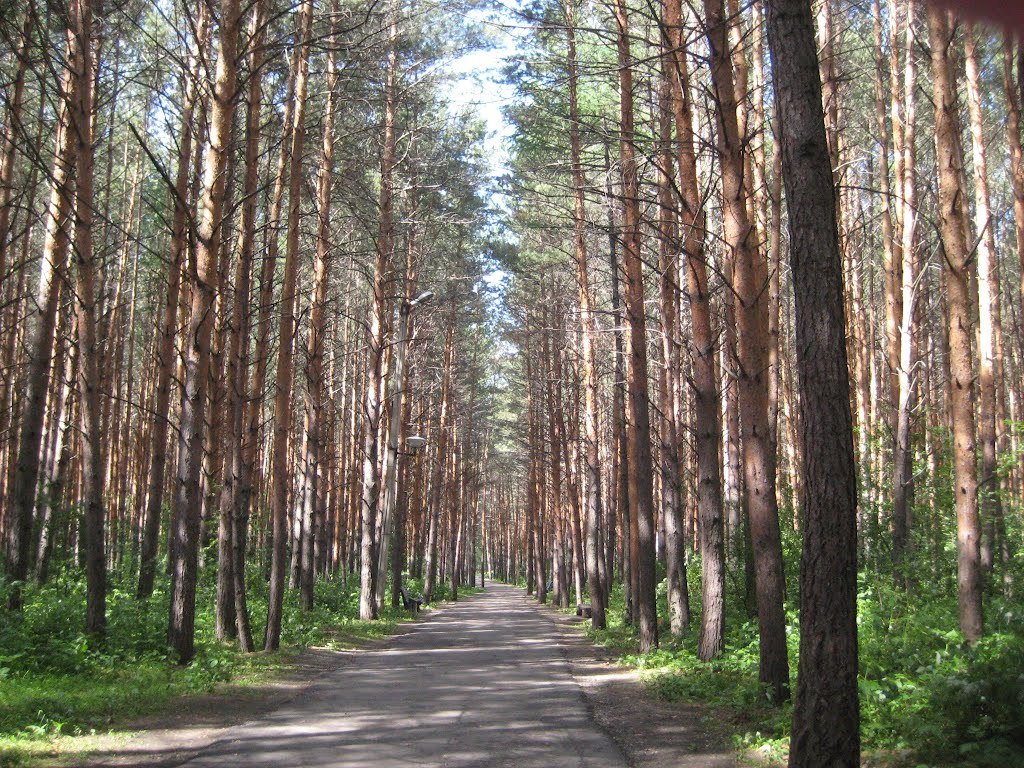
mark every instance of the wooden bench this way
{"type": "Point", "coordinates": [585, 611]}
{"type": "Point", "coordinates": [409, 602]}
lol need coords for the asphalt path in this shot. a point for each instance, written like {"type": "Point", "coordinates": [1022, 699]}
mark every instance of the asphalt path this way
{"type": "Point", "coordinates": [485, 682]}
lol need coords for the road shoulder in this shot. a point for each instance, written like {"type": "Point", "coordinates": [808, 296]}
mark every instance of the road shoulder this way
{"type": "Point", "coordinates": [653, 733]}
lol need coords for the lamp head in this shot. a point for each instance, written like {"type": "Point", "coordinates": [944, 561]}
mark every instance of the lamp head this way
{"type": "Point", "coordinates": [415, 442]}
{"type": "Point", "coordinates": [425, 296]}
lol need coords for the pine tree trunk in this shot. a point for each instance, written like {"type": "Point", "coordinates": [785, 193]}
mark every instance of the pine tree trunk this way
{"type": "Point", "coordinates": [638, 429]}
{"type": "Point", "coordinates": [166, 357]}
{"type": "Point", "coordinates": [377, 329]}
{"type": "Point", "coordinates": [236, 491]}
{"type": "Point", "coordinates": [1013, 137]}
{"type": "Point", "coordinates": [54, 258]}
{"type": "Point", "coordinates": [430, 566]}
{"type": "Point", "coordinates": [750, 279]}
{"type": "Point", "coordinates": [989, 313]}
{"type": "Point", "coordinates": [280, 467]}
{"type": "Point", "coordinates": [9, 141]}
{"type": "Point", "coordinates": [892, 262]}
{"type": "Point", "coordinates": [706, 404]}
{"type": "Point", "coordinates": [89, 380]}
{"type": "Point", "coordinates": [903, 484]}
{"type": "Point", "coordinates": [181, 632]}
{"type": "Point", "coordinates": [619, 506]}
{"type": "Point", "coordinates": [957, 267]}
{"type": "Point", "coordinates": [668, 383]}
{"type": "Point", "coordinates": [826, 712]}
{"type": "Point", "coordinates": [313, 426]}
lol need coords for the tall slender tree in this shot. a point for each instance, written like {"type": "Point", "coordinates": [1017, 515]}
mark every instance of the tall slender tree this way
{"type": "Point", "coordinates": [826, 710]}
{"type": "Point", "coordinates": [958, 266]}
{"type": "Point", "coordinates": [89, 381]}
{"type": "Point", "coordinates": [638, 419]}
{"type": "Point", "coordinates": [56, 243]}
{"type": "Point", "coordinates": [749, 283]}
{"type": "Point", "coordinates": [286, 342]}
{"type": "Point", "coordinates": [181, 629]}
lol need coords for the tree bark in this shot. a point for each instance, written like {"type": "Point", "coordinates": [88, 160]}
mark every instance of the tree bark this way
{"type": "Point", "coordinates": [673, 498]}
{"type": "Point", "coordinates": [89, 381]}
{"type": "Point", "coordinates": [903, 490]}
{"type": "Point", "coordinates": [286, 345]}
{"type": "Point", "coordinates": [9, 141]}
{"type": "Point", "coordinates": [989, 314]}
{"type": "Point", "coordinates": [826, 711]}
{"type": "Point", "coordinates": [165, 361]}
{"type": "Point", "coordinates": [313, 426]}
{"type": "Point", "coordinates": [749, 282]}
{"type": "Point", "coordinates": [235, 495]}
{"type": "Point", "coordinates": [707, 402]}
{"type": "Point", "coordinates": [957, 267]}
{"type": "Point", "coordinates": [638, 430]}
{"type": "Point", "coordinates": [433, 523]}
{"type": "Point", "coordinates": [51, 279]}
{"type": "Point", "coordinates": [181, 631]}
{"type": "Point", "coordinates": [376, 332]}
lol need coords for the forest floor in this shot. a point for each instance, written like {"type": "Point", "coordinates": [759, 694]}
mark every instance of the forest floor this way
{"type": "Point", "coordinates": [652, 732]}
{"type": "Point", "coordinates": [491, 680]}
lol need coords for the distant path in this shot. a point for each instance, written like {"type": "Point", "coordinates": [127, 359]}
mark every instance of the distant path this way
{"type": "Point", "coordinates": [484, 683]}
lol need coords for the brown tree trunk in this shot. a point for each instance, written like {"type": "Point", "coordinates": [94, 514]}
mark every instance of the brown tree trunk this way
{"type": "Point", "coordinates": [750, 280]}
{"type": "Point", "coordinates": [52, 267]}
{"type": "Point", "coordinates": [280, 470]}
{"type": "Point", "coordinates": [89, 380]}
{"type": "Point", "coordinates": [535, 497]}
{"type": "Point", "coordinates": [957, 267]}
{"type": "Point", "coordinates": [989, 313]}
{"type": "Point", "coordinates": [57, 469]}
{"type": "Point", "coordinates": [165, 361]}
{"type": "Point", "coordinates": [181, 631]}
{"type": "Point", "coordinates": [638, 429]}
{"type": "Point", "coordinates": [313, 426]}
{"type": "Point", "coordinates": [9, 141]}
{"type": "Point", "coordinates": [619, 506]}
{"type": "Point", "coordinates": [668, 384]}
{"type": "Point", "coordinates": [376, 331]}
{"type": "Point", "coordinates": [1013, 137]}
{"type": "Point", "coordinates": [553, 457]}
{"type": "Point", "coordinates": [826, 712]}
{"type": "Point", "coordinates": [235, 495]}
{"type": "Point", "coordinates": [430, 566]}
{"type": "Point", "coordinates": [707, 404]}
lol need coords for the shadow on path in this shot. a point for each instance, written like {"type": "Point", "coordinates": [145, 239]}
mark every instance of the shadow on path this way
{"type": "Point", "coordinates": [487, 681]}
{"type": "Point", "coordinates": [484, 682]}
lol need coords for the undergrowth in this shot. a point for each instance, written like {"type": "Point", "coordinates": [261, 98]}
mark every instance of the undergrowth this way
{"type": "Point", "coordinates": [927, 698]}
{"type": "Point", "coordinates": [55, 681]}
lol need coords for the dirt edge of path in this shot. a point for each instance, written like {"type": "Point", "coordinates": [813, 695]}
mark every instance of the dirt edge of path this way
{"type": "Point", "coordinates": [192, 723]}
{"type": "Point", "coordinates": [652, 733]}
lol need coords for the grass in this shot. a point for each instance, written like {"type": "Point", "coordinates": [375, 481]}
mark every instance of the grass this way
{"type": "Point", "coordinates": [928, 700]}
{"type": "Point", "coordinates": [59, 691]}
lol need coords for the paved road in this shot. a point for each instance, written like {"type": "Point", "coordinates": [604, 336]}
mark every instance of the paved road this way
{"type": "Point", "coordinates": [484, 683]}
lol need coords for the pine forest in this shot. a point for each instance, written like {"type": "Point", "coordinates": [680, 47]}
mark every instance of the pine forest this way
{"type": "Point", "coordinates": [702, 320]}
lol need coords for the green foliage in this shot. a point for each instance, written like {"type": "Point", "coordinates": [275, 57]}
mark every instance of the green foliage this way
{"type": "Point", "coordinates": [55, 680]}
{"type": "Point", "coordinates": [922, 687]}
{"type": "Point", "coordinates": [924, 693]}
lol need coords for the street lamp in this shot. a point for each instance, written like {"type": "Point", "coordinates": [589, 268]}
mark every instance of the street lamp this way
{"type": "Point", "coordinates": [425, 296]}
{"type": "Point", "coordinates": [414, 441]}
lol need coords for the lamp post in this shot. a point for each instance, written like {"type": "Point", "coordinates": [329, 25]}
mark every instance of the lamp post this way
{"type": "Point", "coordinates": [391, 460]}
